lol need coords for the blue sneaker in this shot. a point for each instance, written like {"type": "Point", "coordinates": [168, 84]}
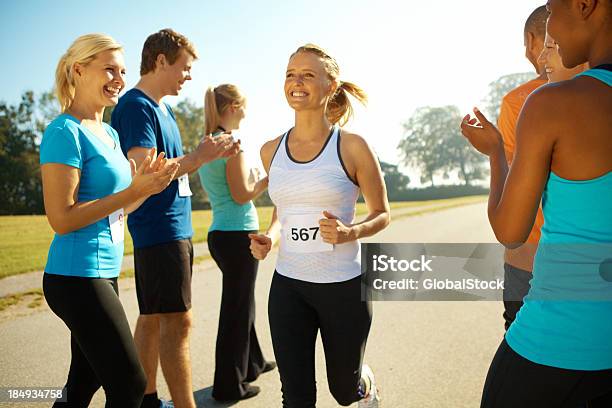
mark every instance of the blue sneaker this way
{"type": "Point", "coordinates": [165, 404]}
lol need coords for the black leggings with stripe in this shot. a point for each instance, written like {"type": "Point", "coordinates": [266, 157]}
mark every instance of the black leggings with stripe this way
{"type": "Point", "coordinates": [297, 311]}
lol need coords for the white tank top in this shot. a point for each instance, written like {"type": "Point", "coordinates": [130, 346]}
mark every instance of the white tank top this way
{"type": "Point", "coordinates": [301, 191]}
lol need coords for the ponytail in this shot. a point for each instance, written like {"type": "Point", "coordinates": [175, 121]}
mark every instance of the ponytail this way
{"type": "Point", "coordinates": [216, 102]}
{"type": "Point", "coordinates": [339, 108]}
{"type": "Point", "coordinates": [211, 113]}
{"type": "Point", "coordinates": [64, 83]}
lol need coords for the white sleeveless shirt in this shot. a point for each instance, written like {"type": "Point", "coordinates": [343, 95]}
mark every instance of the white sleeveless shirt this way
{"type": "Point", "coordinates": [301, 191]}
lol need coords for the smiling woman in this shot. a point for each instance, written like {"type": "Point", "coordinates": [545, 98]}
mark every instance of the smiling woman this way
{"type": "Point", "coordinates": [316, 172]}
{"type": "Point", "coordinates": [87, 186]}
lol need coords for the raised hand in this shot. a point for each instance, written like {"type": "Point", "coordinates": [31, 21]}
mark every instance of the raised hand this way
{"type": "Point", "coordinates": [153, 175]}
{"type": "Point", "coordinates": [260, 246]}
{"type": "Point", "coordinates": [481, 133]}
{"type": "Point", "coordinates": [334, 231]}
{"type": "Point", "coordinates": [212, 148]}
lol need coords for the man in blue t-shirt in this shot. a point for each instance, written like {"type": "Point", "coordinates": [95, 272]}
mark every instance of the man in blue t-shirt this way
{"type": "Point", "coordinates": [161, 227]}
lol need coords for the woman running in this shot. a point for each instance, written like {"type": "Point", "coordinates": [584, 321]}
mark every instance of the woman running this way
{"type": "Point", "coordinates": [238, 357]}
{"type": "Point", "coordinates": [88, 189]}
{"type": "Point", "coordinates": [316, 172]}
{"type": "Point", "coordinates": [558, 351]}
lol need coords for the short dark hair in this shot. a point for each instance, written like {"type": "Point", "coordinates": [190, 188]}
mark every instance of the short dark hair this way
{"type": "Point", "coordinates": [536, 22]}
{"type": "Point", "coordinates": [167, 42]}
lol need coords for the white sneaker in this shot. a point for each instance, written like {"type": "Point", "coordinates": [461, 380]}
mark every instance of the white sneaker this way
{"type": "Point", "coordinates": [372, 400]}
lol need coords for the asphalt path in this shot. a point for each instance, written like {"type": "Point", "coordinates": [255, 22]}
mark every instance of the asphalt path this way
{"type": "Point", "coordinates": [424, 354]}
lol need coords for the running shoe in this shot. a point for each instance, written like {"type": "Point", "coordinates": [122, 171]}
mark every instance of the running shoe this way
{"type": "Point", "coordinates": [165, 404]}
{"type": "Point", "coordinates": [372, 398]}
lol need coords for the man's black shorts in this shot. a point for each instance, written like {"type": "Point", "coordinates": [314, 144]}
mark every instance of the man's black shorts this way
{"type": "Point", "coordinates": [163, 277]}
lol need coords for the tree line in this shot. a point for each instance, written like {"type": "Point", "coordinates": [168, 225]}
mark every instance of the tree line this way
{"type": "Point", "coordinates": [431, 143]}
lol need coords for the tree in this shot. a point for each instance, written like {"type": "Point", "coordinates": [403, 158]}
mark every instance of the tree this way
{"type": "Point", "coordinates": [499, 88]}
{"type": "Point", "coordinates": [396, 181]}
{"type": "Point", "coordinates": [19, 170]}
{"type": "Point", "coordinates": [190, 121]}
{"type": "Point", "coordinates": [433, 143]}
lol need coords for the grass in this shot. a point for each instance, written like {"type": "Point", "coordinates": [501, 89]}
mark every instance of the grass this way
{"type": "Point", "coordinates": [25, 240]}
{"type": "Point", "coordinates": [34, 296]}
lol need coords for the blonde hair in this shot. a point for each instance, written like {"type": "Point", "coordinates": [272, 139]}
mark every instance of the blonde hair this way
{"type": "Point", "coordinates": [339, 109]}
{"type": "Point", "coordinates": [83, 50]}
{"type": "Point", "coordinates": [216, 101]}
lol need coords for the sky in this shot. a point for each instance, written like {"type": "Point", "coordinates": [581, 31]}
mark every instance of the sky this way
{"type": "Point", "coordinates": [404, 54]}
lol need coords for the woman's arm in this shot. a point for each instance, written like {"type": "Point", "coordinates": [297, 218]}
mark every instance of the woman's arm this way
{"type": "Point", "coordinates": [516, 192]}
{"type": "Point", "coordinates": [261, 244]}
{"type": "Point", "coordinates": [237, 175]}
{"type": "Point", "coordinates": [363, 165]}
{"type": "Point", "coordinates": [60, 191]}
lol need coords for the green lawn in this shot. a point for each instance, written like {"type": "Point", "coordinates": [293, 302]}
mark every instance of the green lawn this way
{"type": "Point", "coordinates": [25, 240]}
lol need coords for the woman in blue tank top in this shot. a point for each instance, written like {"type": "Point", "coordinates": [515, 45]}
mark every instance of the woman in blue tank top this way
{"type": "Point", "coordinates": [88, 189]}
{"type": "Point", "coordinates": [230, 189]}
{"type": "Point", "coordinates": [558, 352]}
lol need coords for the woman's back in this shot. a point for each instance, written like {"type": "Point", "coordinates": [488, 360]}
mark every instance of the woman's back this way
{"type": "Point", "coordinates": [583, 146]}
{"type": "Point", "coordinates": [569, 305]}
{"type": "Point", "coordinates": [228, 215]}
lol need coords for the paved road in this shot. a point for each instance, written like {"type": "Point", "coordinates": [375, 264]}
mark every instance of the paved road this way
{"type": "Point", "coordinates": [425, 354]}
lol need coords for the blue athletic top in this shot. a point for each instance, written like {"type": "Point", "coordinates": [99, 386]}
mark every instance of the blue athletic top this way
{"type": "Point", "coordinates": [228, 215]}
{"type": "Point", "coordinates": [141, 122]}
{"type": "Point", "coordinates": [566, 319]}
{"type": "Point", "coordinates": [87, 252]}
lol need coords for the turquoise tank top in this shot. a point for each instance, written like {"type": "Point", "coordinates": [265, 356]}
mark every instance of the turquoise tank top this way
{"type": "Point", "coordinates": [228, 215]}
{"type": "Point", "coordinates": [566, 319]}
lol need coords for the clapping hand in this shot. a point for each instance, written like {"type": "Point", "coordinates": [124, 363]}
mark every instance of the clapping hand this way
{"type": "Point", "coordinates": [481, 133]}
{"type": "Point", "coordinates": [153, 175]}
{"type": "Point", "coordinates": [213, 148]}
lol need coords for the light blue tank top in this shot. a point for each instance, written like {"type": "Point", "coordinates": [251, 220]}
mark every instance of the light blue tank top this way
{"type": "Point", "coordinates": [228, 215]}
{"type": "Point", "coordinates": [566, 319]}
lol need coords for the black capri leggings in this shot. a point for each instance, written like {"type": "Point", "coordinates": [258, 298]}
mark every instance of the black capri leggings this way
{"type": "Point", "coordinates": [297, 310]}
{"type": "Point", "coordinates": [513, 381]}
{"type": "Point", "coordinates": [103, 350]}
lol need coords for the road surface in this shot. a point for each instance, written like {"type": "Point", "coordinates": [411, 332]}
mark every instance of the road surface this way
{"type": "Point", "coordinates": [424, 354]}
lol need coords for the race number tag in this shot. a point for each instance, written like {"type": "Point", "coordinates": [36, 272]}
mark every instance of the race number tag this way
{"type": "Point", "coordinates": [184, 190]}
{"type": "Point", "coordinates": [301, 234]}
{"type": "Point", "coordinates": [116, 220]}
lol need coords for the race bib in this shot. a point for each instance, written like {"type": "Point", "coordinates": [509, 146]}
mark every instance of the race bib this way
{"type": "Point", "coordinates": [116, 220]}
{"type": "Point", "coordinates": [301, 234]}
{"type": "Point", "coordinates": [183, 186]}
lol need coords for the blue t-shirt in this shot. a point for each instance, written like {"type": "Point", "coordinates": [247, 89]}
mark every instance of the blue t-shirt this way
{"type": "Point", "coordinates": [89, 251]}
{"type": "Point", "coordinates": [140, 122]}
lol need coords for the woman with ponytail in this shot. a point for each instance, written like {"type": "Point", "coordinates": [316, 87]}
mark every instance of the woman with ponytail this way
{"type": "Point", "coordinates": [88, 188]}
{"type": "Point", "coordinates": [316, 173]}
{"type": "Point", "coordinates": [238, 357]}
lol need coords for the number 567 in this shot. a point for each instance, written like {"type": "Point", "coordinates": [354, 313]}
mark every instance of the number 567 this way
{"type": "Point", "coordinates": [303, 234]}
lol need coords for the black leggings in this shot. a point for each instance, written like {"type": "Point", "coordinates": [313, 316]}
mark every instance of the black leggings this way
{"type": "Point", "coordinates": [103, 351]}
{"type": "Point", "coordinates": [297, 310]}
{"type": "Point", "coordinates": [513, 381]}
{"type": "Point", "coordinates": [238, 357]}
